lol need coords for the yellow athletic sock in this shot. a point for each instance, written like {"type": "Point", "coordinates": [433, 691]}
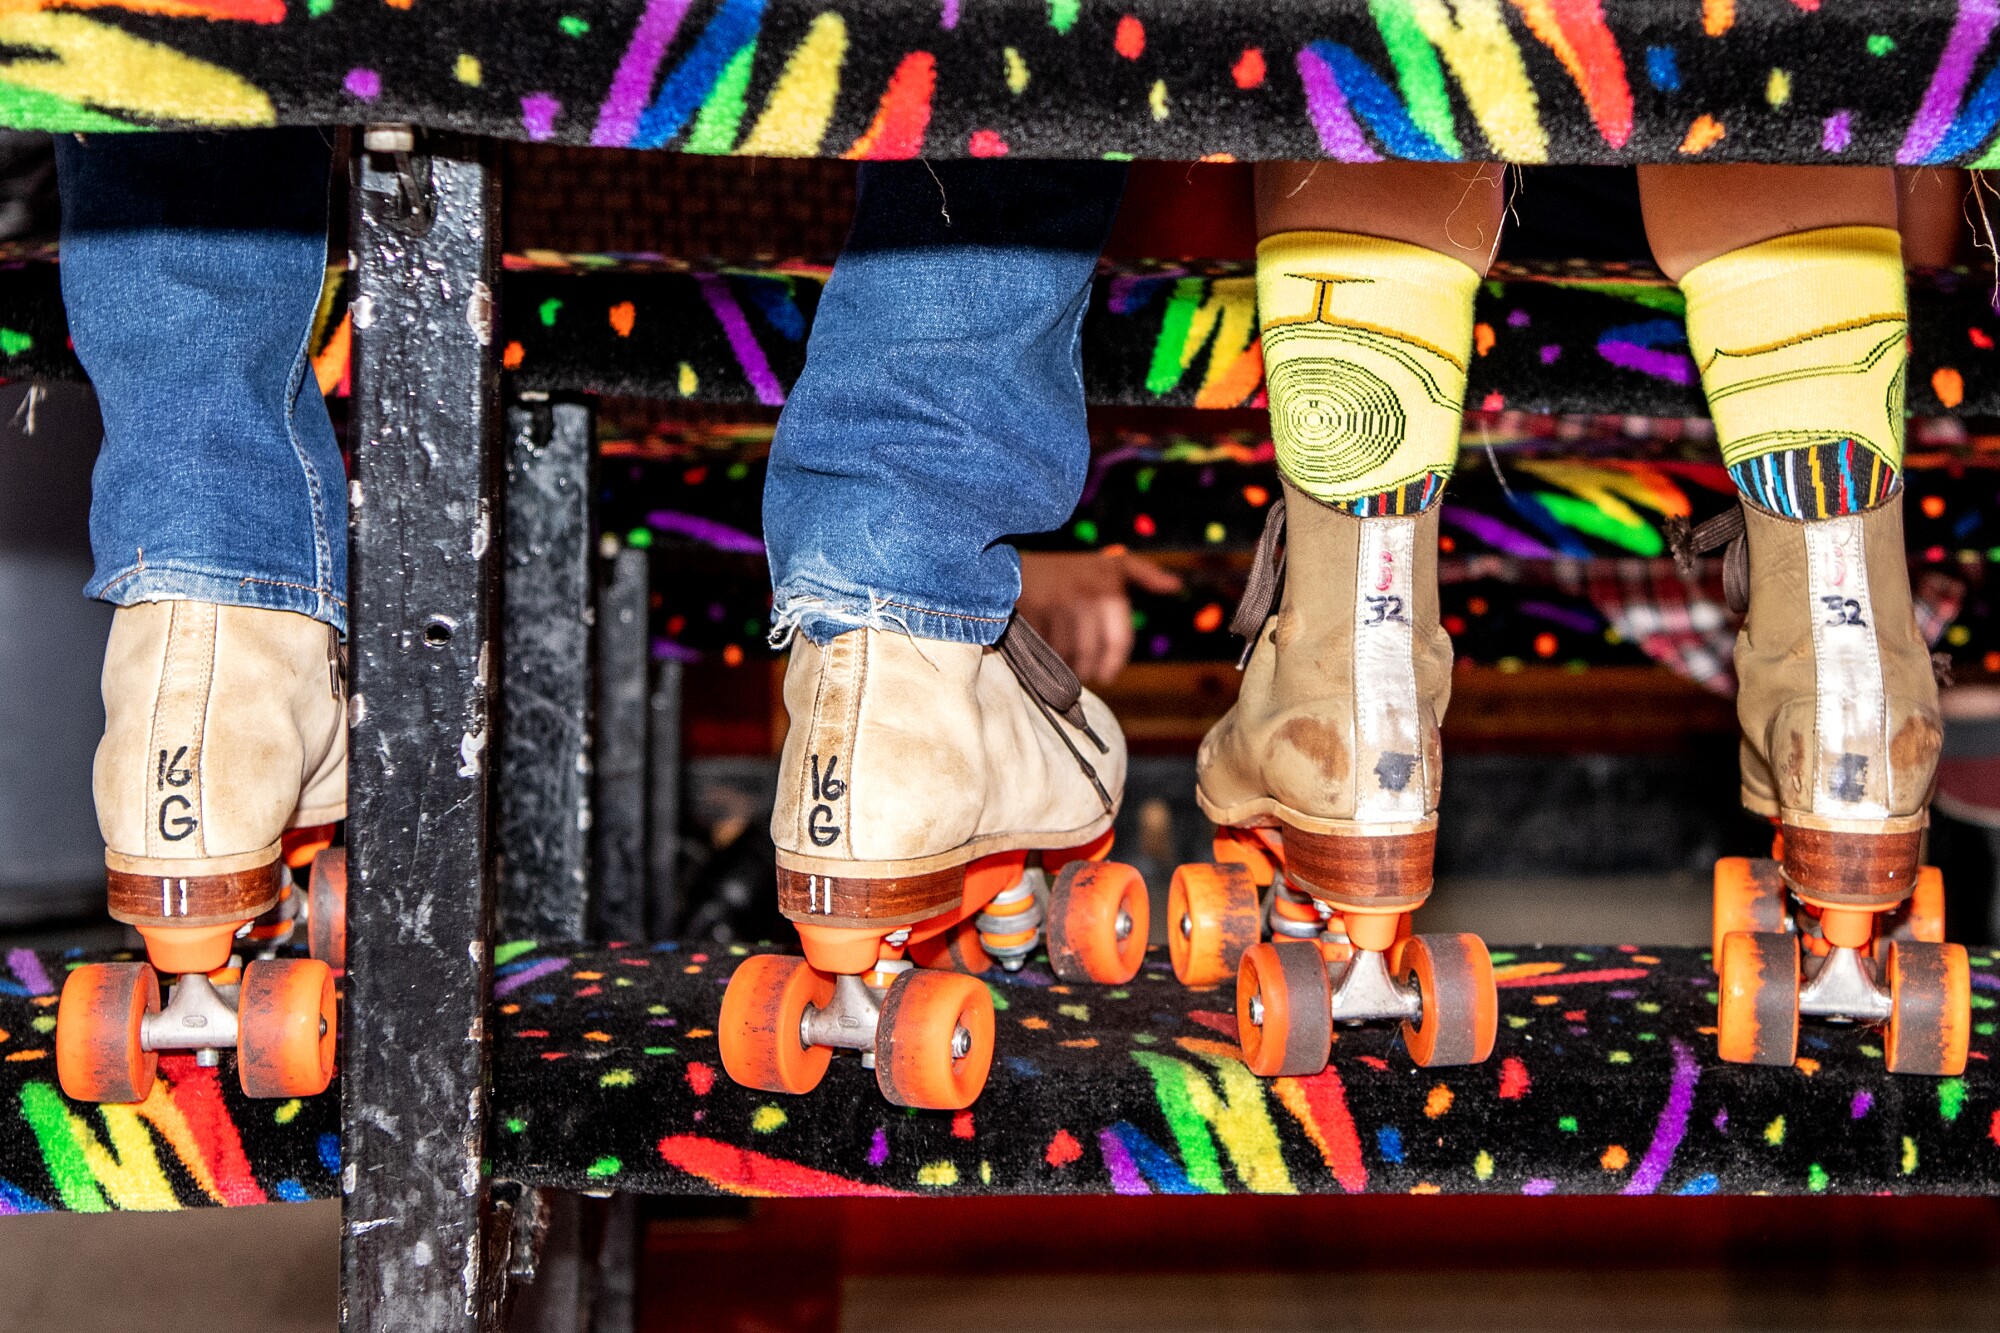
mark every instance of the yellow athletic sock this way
{"type": "Point", "coordinates": [1801, 341]}
{"type": "Point", "coordinates": [1365, 348]}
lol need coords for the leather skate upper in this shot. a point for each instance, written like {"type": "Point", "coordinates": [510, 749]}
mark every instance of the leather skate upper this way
{"type": "Point", "coordinates": [1337, 718]}
{"type": "Point", "coordinates": [911, 751]}
{"type": "Point", "coordinates": [1837, 699]}
{"type": "Point", "coordinates": [218, 720]}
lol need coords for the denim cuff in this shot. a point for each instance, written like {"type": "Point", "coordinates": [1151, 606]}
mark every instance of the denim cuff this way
{"type": "Point", "coordinates": [823, 613]}
{"type": "Point", "coordinates": [148, 582]}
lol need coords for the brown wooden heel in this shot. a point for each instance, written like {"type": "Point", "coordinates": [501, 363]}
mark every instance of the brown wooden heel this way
{"type": "Point", "coordinates": [1851, 869]}
{"type": "Point", "coordinates": [192, 900]}
{"type": "Point", "coordinates": [837, 900]}
{"type": "Point", "coordinates": [1387, 872]}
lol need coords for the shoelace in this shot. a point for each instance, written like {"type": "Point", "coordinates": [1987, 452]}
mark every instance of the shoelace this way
{"type": "Point", "coordinates": [1056, 693]}
{"type": "Point", "coordinates": [1267, 580]}
{"type": "Point", "coordinates": [1690, 542]}
{"type": "Point", "coordinates": [1727, 529]}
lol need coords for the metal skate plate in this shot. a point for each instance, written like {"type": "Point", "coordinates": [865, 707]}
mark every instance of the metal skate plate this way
{"type": "Point", "coordinates": [199, 1016]}
{"type": "Point", "coordinates": [1364, 992]}
{"type": "Point", "coordinates": [1841, 987]}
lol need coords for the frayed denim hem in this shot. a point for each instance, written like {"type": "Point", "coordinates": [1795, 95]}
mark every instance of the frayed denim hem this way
{"type": "Point", "coordinates": [145, 582]}
{"type": "Point", "coordinates": [823, 615]}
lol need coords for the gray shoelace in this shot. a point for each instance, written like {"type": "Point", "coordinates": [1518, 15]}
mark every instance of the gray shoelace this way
{"type": "Point", "coordinates": [1056, 693]}
{"type": "Point", "coordinates": [1690, 542]}
{"type": "Point", "coordinates": [1267, 580]}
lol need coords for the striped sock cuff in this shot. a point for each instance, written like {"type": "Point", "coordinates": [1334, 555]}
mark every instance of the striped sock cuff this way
{"type": "Point", "coordinates": [1412, 497]}
{"type": "Point", "coordinates": [1817, 481]}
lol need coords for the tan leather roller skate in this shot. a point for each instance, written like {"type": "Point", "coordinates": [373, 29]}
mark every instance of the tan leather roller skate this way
{"type": "Point", "coordinates": [939, 804]}
{"type": "Point", "coordinates": [1840, 745]}
{"type": "Point", "coordinates": [1323, 780]}
{"type": "Point", "coordinates": [225, 727]}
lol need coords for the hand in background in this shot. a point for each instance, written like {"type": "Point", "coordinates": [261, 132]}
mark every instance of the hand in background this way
{"type": "Point", "coordinates": [1077, 601]}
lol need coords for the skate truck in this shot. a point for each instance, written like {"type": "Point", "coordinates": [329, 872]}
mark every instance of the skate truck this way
{"type": "Point", "coordinates": [276, 1012]}
{"type": "Point", "coordinates": [909, 998]}
{"type": "Point", "coordinates": [1305, 966]}
{"type": "Point", "coordinates": [1783, 954]}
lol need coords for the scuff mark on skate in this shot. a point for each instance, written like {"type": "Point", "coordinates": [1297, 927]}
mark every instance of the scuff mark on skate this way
{"type": "Point", "coordinates": [1321, 742]}
{"type": "Point", "coordinates": [1795, 766]}
{"type": "Point", "coordinates": [1393, 770]}
{"type": "Point", "coordinates": [1914, 749]}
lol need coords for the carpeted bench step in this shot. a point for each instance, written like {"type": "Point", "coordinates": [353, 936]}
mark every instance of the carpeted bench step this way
{"type": "Point", "coordinates": [1561, 338]}
{"type": "Point", "coordinates": [606, 1075]}
{"type": "Point", "coordinates": [1871, 81]}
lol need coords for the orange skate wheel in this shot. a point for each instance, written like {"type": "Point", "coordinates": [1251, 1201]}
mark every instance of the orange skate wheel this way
{"type": "Point", "coordinates": [1461, 1009]}
{"type": "Point", "coordinates": [99, 1057]}
{"type": "Point", "coordinates": [1757, 1006]}
{"type": "Point", "coordinates": [300, 846]}
{"type": "Point", "coordinates": [1284, 1009]}
{"type": "Point", "coordinates": [1213, 916]}
{"type": "Point", "coordinates": [758, 1029]}
{"type": "Point", "coordinates": [1249, 848]}
{"type": "Point", "coordinates": [285, 1021]}
{"type": "Point", "coordinates": [1930, 1008]}
{"type": "Point", "coordinates": [1098, 919]}
{"type": "Point", "coordinates": [326, 909]}
{"type": "Point", "coordinates": [1749, 895]}
{"type": "Point", "coordinates": [934, 1043]}
{"type": "Point", "coordinates": [1923, 919]}
{"type": "Point", "coordinates": [955, 950]}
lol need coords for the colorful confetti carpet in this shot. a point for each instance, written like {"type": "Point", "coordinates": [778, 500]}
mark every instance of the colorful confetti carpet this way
{"type": "Point", "coordinates": [1905, 81]}
{"type": "Point", "coordinates": [1553, 338]}
{"type": "Point", "coordinates": [606, 1074]}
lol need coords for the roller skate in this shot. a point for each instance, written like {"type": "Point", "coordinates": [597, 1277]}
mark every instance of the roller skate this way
{"type": "Point", "coordinates": [1840, 744]}
{"type": "Point", "coordinates": [1323, 782]}
{"type": "Point", "coordinates": [941, 806]}
{"type": "Point", "coordinates": [222, 769]}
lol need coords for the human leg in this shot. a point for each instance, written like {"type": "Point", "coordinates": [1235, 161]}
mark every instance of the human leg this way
{"type": "Point", "coordinates": [941, 406]}
{"type": "Point", "coordinates": [192, 266]}
{"type": "Point", "coordinates": [1798, 321]}
{"type": "Point", "coordinates": [939, 757]}
{"type": "Point", "coordinates": [1366, 278]}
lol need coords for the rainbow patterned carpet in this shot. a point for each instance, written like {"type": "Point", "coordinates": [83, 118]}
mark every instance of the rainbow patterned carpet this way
{"type": "Point", "coordinates": [1906, 81]}
{"type": "Point", "coordinates": [606, 1075]}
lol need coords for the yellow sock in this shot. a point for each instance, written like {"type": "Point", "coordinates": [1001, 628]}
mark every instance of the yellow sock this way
{"type": "Point", "coordinates": [1801, 341]}
{"type": "Point", "coordinates": [1365, 348]}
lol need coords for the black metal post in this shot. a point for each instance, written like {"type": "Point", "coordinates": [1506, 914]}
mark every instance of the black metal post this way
{"type": "Point", "coordinates": [548, 671]}
{"type": "Point", "coordinates": [663, 818]}
{"type": "Point", "coordinates": [620, 888]}
{"type": "Point", "coordinates": [426, 431]}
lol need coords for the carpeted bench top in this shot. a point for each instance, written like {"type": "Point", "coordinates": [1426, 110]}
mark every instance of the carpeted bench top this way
{"type": "Point", "coordinates": [606, 1075]}
{"type": "Point", "coordinates": [1863, 81]}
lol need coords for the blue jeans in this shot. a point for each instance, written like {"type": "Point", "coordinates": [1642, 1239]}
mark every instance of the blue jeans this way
{"type": "Point", "coordinates": [941, 408]}
{"type": "Point", "coordinates": [191, 271]}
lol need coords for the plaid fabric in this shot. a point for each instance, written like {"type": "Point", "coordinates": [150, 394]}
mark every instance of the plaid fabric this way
{"type": "Point", "coordinates": [1682, 625]}
{"type": "Point", "coordinates": [1687, 628]}
{"type": "Point", "coordinates": [1938, 599]}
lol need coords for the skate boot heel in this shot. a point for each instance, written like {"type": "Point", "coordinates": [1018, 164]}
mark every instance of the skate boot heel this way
{"type": "Point", "coordinates": [1852, 869]}
{"type": "Point", "coordinates": [1377, 871]}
